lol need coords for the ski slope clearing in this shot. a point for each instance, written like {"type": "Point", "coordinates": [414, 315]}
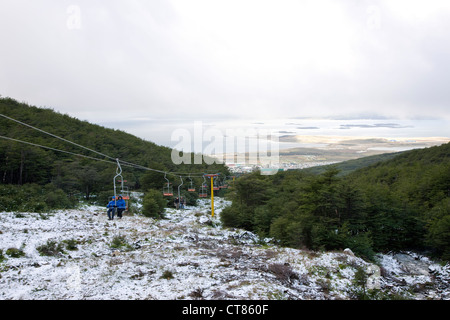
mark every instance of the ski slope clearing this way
{"type": "Point", "coordinates": [79, 254]}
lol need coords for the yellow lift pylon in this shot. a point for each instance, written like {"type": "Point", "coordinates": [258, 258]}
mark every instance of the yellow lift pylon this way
{"type": "Point", "coordinates": [212, 176]}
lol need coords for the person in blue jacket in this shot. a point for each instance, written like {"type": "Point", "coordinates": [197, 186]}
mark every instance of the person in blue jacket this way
{"type": "Point", "coordinates": [121, 206]}
{"type": "Point", "coordinates": [110, 207]}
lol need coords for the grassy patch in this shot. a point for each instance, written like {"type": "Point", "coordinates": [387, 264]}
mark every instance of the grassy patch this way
{"type": "Point", "coordinates": [167, 275]}
{"type": "Point", "coordinates": [120, 242]}
{"type": "Point", "coordinates": [51, 248]}
{"type": "Point", "coordinates": [15, 253]}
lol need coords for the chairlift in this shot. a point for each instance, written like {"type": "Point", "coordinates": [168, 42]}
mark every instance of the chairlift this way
{"type": "Point", "coordinates": [124, 192]}
{"type": "Point", "coordinates": [224, 184]}
{"type": "Point", "coordinates": [118, 175]}
{"type": "Point", "coordinates": [191, 187]}
{"type": "Point", "coordinates": [167, 188]}
{"type": "Point", "coordinates": [203, 189]}
{"type": "Point", "coordinates": [179, 186]}
{"type": "Point", "coordinates": [203, 192]}
{"type": "Point", "coordinates": [214, 181]}
{"type": "Point", "coordinates": [125, 196]}
{"type": "Point", "coordinates": [216, 185]}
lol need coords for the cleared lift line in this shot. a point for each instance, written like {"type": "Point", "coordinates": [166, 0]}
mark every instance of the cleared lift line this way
{"type": "Point", "coordinates": [112, 159]}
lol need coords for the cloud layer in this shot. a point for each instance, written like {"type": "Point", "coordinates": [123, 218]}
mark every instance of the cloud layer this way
{"type": "Point", "coordinates": [204, 59]}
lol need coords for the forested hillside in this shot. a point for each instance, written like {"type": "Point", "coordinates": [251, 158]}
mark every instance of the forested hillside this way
{"type": "Point", "coordinates": [47, 174]}
{"type": "Point", "coordinates": [346, 167]}
{"type": "Point", "coordinates": [402, 203]}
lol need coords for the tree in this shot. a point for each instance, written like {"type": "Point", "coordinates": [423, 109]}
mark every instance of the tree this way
{"type": "Point", "coordinates": [153, 204]}
{"type": "Point", "coordinates": [250, 192]}
{"type": "Point", "coordinates": [88, 179]}
{"type": "Point", "coordinates": [438, 235]}
{"type": "Point", "coordinates": [153, 179]}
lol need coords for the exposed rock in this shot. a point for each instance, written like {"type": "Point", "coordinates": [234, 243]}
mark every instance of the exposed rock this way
{"type": "Point", "coordinates": [349, 252]}
{"type": "Point", "coordinates": [409, 264]}
{"type": "Point", "coordinates": [374, 276]}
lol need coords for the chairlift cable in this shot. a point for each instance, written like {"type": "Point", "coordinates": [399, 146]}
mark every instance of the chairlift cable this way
{"type": "Point", "coordinates": [55, 136]}
{"type": "Point", "coordinates": [54, 149]}
{"type": "Point", "coordinates": [115, 160]}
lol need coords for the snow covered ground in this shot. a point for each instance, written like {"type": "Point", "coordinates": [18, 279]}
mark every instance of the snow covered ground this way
{"type": "Point", "coordinates": [188, 255]}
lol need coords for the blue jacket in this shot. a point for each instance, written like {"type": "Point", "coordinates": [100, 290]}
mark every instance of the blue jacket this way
{"type": "Point", "coordinates": [111, 204]}
{"type": "Point", "coordinates": [121, 204]}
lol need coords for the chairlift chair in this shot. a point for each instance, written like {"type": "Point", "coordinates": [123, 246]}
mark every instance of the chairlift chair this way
{"type": "Point", "coordinates": [125, 191]}
{"type": "Point", "coordinates": [191, 187]}
{"type": "Point", "coordinates": [216, 186]}
{"type": "Point", "coordinates": [203, 189]}
{"type": "Point", "coordinates": [203, 193]}
{"type": "Point", "coordinates": [167, 188]}
{"type": "Point", "coordinates": [214, 181]}
{"type": "Point", "coordinates": [126, 196]}
{"type": "Point", "coordinates": [224, 184]}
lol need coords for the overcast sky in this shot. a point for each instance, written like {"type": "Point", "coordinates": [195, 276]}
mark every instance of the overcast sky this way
{"type": "Point", "coordinates": [205, 59]}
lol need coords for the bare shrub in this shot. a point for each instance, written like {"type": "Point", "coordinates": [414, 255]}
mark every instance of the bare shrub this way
{"type": "Point", "coordinates": [197, 294]}
{"type": "Point", "coordinates": [283, 272]}
{"type": "Point", "coordinates": [222, 295]}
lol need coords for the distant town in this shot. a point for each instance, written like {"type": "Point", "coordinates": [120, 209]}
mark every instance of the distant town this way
{"type": "Point", "coordinates": [239, 168]}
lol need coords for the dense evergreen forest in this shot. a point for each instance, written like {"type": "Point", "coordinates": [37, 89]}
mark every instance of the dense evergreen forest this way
{"type": "Point", "coordinates": [34, 178]}
{"type": "Point", "coordinates": [397, 204]}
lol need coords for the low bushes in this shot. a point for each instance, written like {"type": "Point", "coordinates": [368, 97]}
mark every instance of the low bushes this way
{"type": "Point", "coordinates": [153, 204]}
{"type": "Point", "coordinates": [34, 198]}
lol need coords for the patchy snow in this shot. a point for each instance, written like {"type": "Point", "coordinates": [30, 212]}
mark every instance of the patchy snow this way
{"type": "Point", "coordinates": [188, 255]}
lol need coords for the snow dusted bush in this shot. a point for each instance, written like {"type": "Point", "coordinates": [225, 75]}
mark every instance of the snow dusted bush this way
{"type": "Point", "coordinates": [34, 198]}
{"type": "Point", "coordinates": [51, 248]}
{"type": "Point", "coordinates": [153, 204]}
{"type": "Point", "coordinates": [167, 274]}
{"type": "Point", "coordinates": [15, 253]}
{"type": "Point", "coordinates": [283, 272]}
{"type": "Point", "coordinates": [120, 242]}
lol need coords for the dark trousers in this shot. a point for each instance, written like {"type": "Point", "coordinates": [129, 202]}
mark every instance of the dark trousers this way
{"type": "Point", "coordinates": [111, 212]}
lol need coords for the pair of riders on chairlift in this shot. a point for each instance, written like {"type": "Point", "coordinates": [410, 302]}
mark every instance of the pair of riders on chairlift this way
{"type": "Point", "coordinates": [120, 204]}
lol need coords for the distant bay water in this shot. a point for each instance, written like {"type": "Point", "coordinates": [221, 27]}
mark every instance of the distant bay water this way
{"type": "Point", "coordinates": [161, 131]}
